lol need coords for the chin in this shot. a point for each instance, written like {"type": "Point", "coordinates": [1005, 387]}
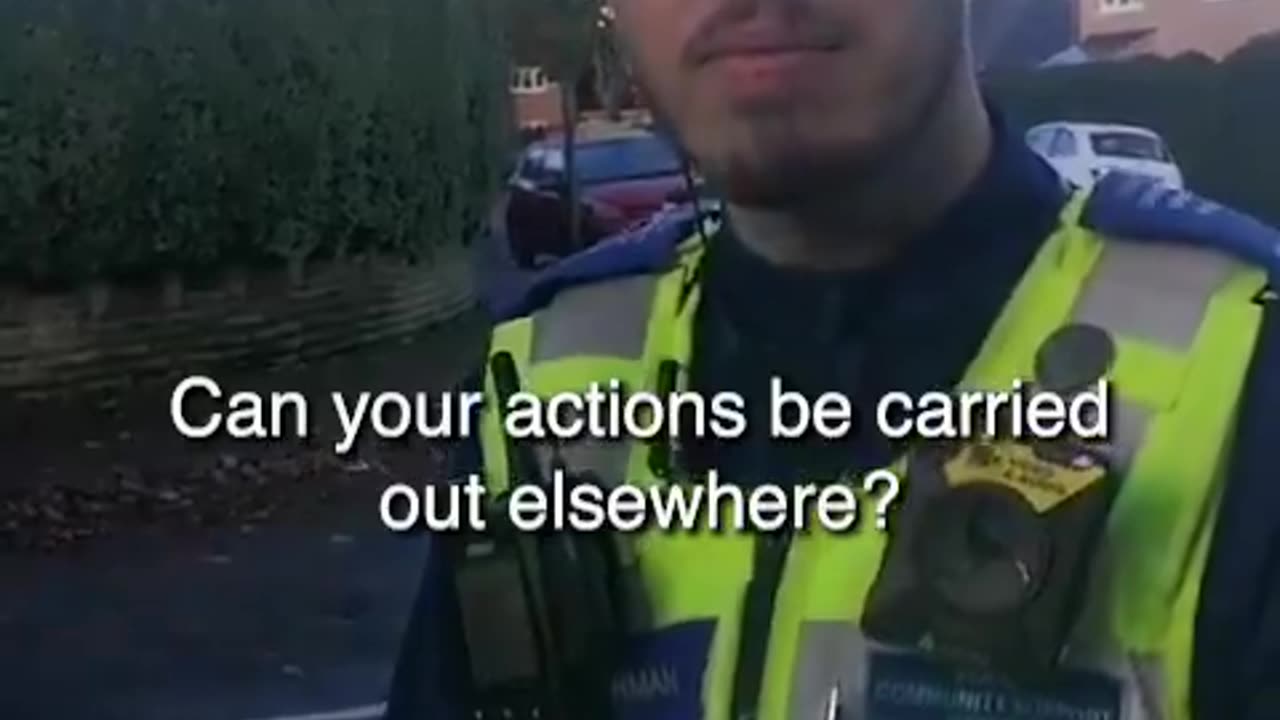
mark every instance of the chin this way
{"type": "Point", "coordinates": [775, 177]}
{"type": "Point", "coordinates": [777, 159]}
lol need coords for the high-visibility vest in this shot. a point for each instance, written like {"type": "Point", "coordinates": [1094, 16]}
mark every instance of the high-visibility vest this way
{"type": "Point", "coordinates": [1184, 327]}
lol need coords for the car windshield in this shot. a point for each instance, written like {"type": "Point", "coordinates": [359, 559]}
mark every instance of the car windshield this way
{"type": "Point", "coordinates": [1129, 146]}
{"type": "Point", "coordinates": [623, 159]}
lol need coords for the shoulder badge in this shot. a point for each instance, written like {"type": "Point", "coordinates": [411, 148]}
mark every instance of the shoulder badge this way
{"type": "Point", "coordinates": [648, 247]}
{"type": "Point", "coordinates": [1140, 208]}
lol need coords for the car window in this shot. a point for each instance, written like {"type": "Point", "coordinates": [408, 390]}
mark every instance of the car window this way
{"type": "Point", "coordinates": [1063, 144]}
{"type": "Point", "coordinates": [540, 167]}
{"type": "Point", "coordinates": [530, 165]}
{"type": "Point", "coordinates": [1038, 140]}
{"type": "Point", "coordinates": [1128, 145]}
{"type": "Point", "coordinates": [553, 161]}
{"type": "Point", "coordinates": [614, 160]}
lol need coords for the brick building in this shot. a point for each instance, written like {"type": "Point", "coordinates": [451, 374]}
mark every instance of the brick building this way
{"type": "Point", "coordinates": [1119, 29]}
{"type": "Point", "coordinates": [537, 99]}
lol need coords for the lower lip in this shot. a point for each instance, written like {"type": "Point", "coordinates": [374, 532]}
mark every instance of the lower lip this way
{"type": "Point", "coordinates": [766, 74]}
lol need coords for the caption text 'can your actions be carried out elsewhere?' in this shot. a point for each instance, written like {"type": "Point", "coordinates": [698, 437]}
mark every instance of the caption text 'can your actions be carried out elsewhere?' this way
{"type": "Point", "coordinates": [605, 411]}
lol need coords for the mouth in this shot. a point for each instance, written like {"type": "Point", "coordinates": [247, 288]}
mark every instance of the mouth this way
{"type": "Point", "coordinates": [764, 47]}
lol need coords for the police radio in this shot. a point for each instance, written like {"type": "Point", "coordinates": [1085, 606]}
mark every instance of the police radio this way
{"type": "Point", "coordinates": [991, 553]}
{"type": "Point", "coordinates": [545, 614]}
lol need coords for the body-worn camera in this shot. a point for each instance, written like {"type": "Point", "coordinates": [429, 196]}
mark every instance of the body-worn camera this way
{"type": "Point", "coordinates": [992, 549]}
{"type": "Point", "coordinates": [543, 614]}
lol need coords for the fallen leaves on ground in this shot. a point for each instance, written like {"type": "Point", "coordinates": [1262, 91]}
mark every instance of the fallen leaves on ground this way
{"type": "Point", "coordinates": [226, 490]}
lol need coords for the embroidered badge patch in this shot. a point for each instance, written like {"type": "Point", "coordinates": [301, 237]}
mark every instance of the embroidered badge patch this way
{"type": "Point", "coordinates": [912, 687]}
{"type": "Point", "coordinates": [661, 677]}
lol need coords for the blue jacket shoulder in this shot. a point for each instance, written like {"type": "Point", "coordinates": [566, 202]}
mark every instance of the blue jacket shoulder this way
{"type": "Point", "coordinates": [646, 248]}
{"type": "Point", "coordinates": [1134, 207]}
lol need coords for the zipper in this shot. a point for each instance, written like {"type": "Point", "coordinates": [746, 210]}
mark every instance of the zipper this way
{"type": "Point", "coordinates": [769, 562]}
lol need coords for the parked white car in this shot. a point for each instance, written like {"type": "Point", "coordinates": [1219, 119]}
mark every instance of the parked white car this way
{"type": "Point", "coordinates": [1083, 152]}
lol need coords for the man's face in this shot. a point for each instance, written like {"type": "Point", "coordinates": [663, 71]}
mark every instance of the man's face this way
{"type": "Point", "coordinates": [774, 98]}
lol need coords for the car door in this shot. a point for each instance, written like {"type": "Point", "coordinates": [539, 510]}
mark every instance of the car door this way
{"type": "Point", "coordinates": [535, 211]}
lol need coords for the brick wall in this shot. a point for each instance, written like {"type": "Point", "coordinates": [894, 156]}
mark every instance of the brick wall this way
{"type": "Point", "coordinates": [106, 337]}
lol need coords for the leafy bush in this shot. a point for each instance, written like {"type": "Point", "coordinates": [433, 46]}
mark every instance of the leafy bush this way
{"type": "Point", "coordinates": [144, 136]}
{"type": "Point", "coordinates": [1219, 118]}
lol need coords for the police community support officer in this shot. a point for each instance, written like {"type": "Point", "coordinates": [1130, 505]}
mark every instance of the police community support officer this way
{"type": "Point", "coordinates": [886, 231]}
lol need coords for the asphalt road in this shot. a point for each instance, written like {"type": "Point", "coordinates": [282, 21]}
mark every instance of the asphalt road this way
{"type": "Point", "coordinates": [294, 621]}
{"type": "Point", "coordinates": [229, 627]}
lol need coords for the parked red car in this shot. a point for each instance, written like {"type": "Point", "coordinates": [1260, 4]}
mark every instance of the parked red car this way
{"type": "Point", "coordinates": [624, 177]}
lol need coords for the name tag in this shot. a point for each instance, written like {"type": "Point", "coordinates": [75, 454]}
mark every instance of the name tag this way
{"type": "Point", "coordinates": [661, 674]}
{"type": "Point", "coordinates": [913, 687]}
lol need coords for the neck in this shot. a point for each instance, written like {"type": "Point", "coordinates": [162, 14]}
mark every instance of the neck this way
{"type": "Point", "coordinates": [865, 222]}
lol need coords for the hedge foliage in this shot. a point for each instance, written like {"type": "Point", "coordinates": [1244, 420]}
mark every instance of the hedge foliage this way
{"type": "Point", "coordinates": [1222, 120]}
{"type": "Point", "coordinates": [144, 136]}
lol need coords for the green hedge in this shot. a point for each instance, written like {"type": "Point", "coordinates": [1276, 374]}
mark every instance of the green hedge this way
{"type": "Point", "coordinates": [148, 136]}
{"type": "Point", "coordinates": [1221, 119]}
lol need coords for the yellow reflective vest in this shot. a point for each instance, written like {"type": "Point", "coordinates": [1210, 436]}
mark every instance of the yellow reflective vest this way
{"type": "Point", "coordinates": [1184, 326]}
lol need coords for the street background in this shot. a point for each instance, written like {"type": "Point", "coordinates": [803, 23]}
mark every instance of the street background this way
{"type": "Point", "coordinates": [299, 196]}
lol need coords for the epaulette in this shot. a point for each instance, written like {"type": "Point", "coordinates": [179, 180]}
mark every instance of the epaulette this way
{"type": "Point", "coordinates": [1136, 207]}
{"type": "Point", "coordinates": [648, 247]}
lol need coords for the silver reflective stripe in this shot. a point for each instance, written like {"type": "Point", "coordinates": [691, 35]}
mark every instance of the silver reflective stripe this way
{"type": "Point", "coordinates": [831, 655]}
{"type": "Point", "coordinates": [605, 318]}
{"type": "Point", "coordinates": [835, 655]}
{"type": "Point", "coordinates": [1158, 293]}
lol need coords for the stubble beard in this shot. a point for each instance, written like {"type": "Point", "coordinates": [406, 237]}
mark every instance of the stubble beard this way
{"type": "Point", "coordinates": [770, 159]}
